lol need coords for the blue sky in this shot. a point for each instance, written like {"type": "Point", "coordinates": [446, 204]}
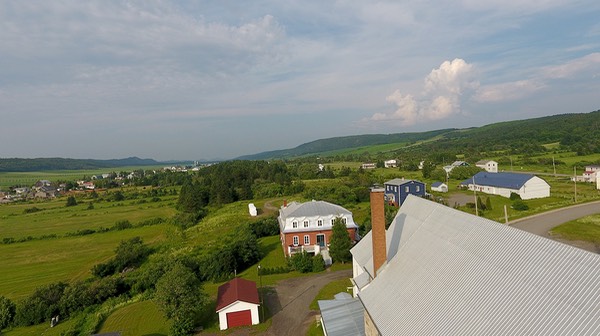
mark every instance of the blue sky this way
{"type": "Point", "coordinates": [218, 79]}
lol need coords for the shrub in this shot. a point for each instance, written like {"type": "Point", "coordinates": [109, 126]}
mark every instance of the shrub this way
{"type": "Point", "coordinates": [301, 262]}
{"type": "Point", "coordinates": [514, 196]}
{"type": "Point", "coordinates": [31, 210]}
{"type": "Point", "coordinates": [318, 264]}
{"type": "Point", "coordinates": [71, 201]}
{"type": "Point", "coordinates": [520, 205]}
{"type": "Point", "coordinates": [122, 225]}
{"type": "Point", "coordinates": [7, 312]}
{"type": "Point", "coordinates": [265, 227]}
{"type": "Point", "coordinates": [42, 305]}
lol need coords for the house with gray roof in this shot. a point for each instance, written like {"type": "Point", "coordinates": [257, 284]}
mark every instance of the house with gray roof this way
{"type": "Point", "coordinates": [446, 272]}
{"type": "Point", "coordinates": [527, 186]}
{"type": "Point", "coordinates": [307, 226]}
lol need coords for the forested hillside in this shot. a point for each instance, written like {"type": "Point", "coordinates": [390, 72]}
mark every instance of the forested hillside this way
{"type": "Point", "coordinates": [575, 132]}
{"type": "Point", "coordinates": [40, 164]}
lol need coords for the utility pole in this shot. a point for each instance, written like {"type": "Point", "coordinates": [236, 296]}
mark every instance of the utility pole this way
{"type": "Point", "coordinates": [554, 166]}
{"type": "Point", "coordinates": [475, 196]}
{"type": "Point", "coordinates": [262, 303]}
{"type": "Point", "coordinates": [575, 181]}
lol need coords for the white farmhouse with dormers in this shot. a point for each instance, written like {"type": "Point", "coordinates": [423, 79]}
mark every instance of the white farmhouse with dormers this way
{"type": "Point", "coordinates": [307, 226]}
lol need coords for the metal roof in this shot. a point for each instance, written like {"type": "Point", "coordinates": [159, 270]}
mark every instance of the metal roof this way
{"type": "Point", "coordinates": [437, 184]}
{"type": "Point", "coordinates": [237, 289]}
{"type": "Point", "coordinates": [399, 182]}
{"type": "Point", "coordinates": [343, 316]}
{"type": "Point", "coordinates": [453, 273]}
{"type": "Point", "coordinates": [502, 180]}
{"type": "Point", "coordinates": [313, 208]}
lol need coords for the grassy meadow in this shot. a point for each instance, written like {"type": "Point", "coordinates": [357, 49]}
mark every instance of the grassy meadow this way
{"type": "Point", "coordinates": [585, 229]}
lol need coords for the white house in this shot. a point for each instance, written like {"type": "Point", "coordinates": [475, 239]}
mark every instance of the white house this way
{"type": "Point", "coordinates": [439, 187]}
{"type": "Point", "coordinates": [440, 271]}
{"type": "Point", "coordinates": [390, 163]}
{"type": "Point", "coordinates": [527, 186]}
{"type": "Point", "coordinates": [488, 165]}
{"type": "Point", "coordinates": [368, 165]}
{"type": "Point", "coordinates": [237, 304]}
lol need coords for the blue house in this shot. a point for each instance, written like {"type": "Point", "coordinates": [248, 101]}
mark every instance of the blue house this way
{"type": "Point", "coordinates": [396, 190]}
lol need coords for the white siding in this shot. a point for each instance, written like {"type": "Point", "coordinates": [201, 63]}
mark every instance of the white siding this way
{"type": "Point", "coordinates": [238, 306]}
{"type": "Point", "coordinates": [535, 188]}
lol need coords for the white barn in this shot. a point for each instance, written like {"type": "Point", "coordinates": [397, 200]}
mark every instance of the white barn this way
{"type": "Point", "coordinates": [527, 186]}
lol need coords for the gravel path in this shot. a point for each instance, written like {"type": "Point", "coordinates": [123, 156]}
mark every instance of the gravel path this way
{"type": "Point", "coordinates": [289, 303]}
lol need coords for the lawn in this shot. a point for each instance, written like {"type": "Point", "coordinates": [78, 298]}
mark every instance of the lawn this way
{"type": "Point", "coordinates": [140, 318]}
{"type": "Point", "coordinates": [586, 229]}
{"type": "Point", "coordinates": [31, 264]}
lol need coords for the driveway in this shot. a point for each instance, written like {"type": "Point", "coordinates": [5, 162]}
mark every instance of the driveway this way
{"type": "Point", "coordinates": [289, 302]}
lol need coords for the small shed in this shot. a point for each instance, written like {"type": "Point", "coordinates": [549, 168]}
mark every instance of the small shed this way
{"type": "Point", "coordinates": [439, 187]}
{"type": "Point", "coordinates": [237, 304]}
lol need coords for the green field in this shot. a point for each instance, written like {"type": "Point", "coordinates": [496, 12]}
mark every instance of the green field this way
{"type": "Point", "coordinates": [31, 264]}
{"type": "Point", "coordinates": [56, 218]}
{"type": "Point", "coordinates": [8, 179]}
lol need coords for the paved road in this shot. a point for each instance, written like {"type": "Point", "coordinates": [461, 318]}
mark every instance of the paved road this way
{"type": "Point", "coordinates": [540, 224]}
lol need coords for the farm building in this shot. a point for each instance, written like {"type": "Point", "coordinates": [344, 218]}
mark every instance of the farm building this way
{"type": "Point", "coordinates": [396, 190]}
{"type": "Point", "coordinates": [527, 186]}
{"type": "Point", "coordinates": [390, 163]}
{"type": "Point", "coordinates": [437, 271]}
{"type": "Point", "coordinates": [237, 304]}
{"type": "Point", "coordinates": [307, 226]}
{"type": "Point", "coordinates": [455, 164]}
{"type": "Point", "coordinates": [439, 187]}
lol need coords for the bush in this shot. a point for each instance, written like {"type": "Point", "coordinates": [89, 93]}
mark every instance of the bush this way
{"type": "Point", "coordinates": [514, 196]}
{"type": "Point", "coordinates": [7, 312]}
{"type": "Point", "coordinates": [41, 306]}
{"type": "Point", "coordinates": [318, 264]}
{"type": "Point", "coordinates": [71, 201]}
{"type": "Point", "coordinates": [31, 210]}
{"type": "Point", "coordinates": [301, 262]}
{"type": "Point", "coordinates": [122, 225]}
{"type": "Point", "coordinates": [265, 227]}
{"type": "Point", "coordinates": [520, 205]}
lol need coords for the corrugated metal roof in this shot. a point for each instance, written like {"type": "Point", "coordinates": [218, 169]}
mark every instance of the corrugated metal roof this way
{"type": "Point", "coordinates": [399, 182]}
{"type": "Point", "coordinates": [502, 180]}
{"type": "Point", "coordinates": [343, 316]}
{"type": "Point", "coordinates": [458, 274]}
{"type": "Point", "coordinates": [314, 208]}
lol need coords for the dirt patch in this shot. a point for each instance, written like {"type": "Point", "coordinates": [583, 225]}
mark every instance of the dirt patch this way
{"type": "Point", "coordinates": [459, 199]}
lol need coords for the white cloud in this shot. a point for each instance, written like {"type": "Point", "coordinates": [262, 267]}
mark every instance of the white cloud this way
{"type": "Point", "coordinates": [507, 91]}
{"type": "Point", "coordinates": [589, 64]}
{"type": "Point", "coordinates": [443, 91]}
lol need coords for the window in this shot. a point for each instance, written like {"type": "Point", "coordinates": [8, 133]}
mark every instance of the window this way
{"type": "Point", "coordinates": [332, 221]}
{"type": "Point", "coordinates": [306, 240]}
{"type": "Point", "coordinates": [406, 189]}
{"type": "Point", "coordinates": [344, 220]}
{"type": "Point", "coordinates": [305, 223]}
{"type": "Point", "coordinates": [295, 240]}
{"type": "Point", "coordinates": [320, 222]}
{"type": "Point", "coordinates": [417, 189]}
{"type": "Point", "coordinates": [294, 224]}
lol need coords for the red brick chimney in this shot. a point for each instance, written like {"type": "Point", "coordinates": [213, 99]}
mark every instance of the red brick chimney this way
{"type": "Point", "coordinates": [284, 203]}
{"type": "Point", "coordinates": [378, 228]}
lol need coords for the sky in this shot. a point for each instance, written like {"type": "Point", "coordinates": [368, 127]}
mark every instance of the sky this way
{"type": "Point", "coordinates": [204, 80]}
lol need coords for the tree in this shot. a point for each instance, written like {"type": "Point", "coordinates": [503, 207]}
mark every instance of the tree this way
{"type": "Point", "coordinates": [7, 312]}
{"type": "Point", "coordinates": [340, 243]}
{"type": "Point", "coordinates": [71, 201]}
{"type": "Point", "coordinates": [179, 296]}
{"type": "Point", "coordinates": [488, 203]}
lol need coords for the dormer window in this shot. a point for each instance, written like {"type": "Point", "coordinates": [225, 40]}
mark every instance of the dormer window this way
{"type": "Point", "coordinates": [320, 222]}
{"type": "Point", "coordinates": [344, 220]}
{"type": "Point", "coordinates": [295, 224]}
{"type": "Point", "coordinates": [305, 223]}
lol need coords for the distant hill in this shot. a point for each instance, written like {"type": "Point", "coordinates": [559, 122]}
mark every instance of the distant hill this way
{"type": "Point", "coordinates": [41, 164]}
{"type": "Point", "coordinates": [340, 143]}
{"type": "Point", "coordinates": [578, 131]}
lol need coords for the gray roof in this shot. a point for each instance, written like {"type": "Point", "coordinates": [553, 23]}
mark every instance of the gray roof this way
{"type": "Point", "coordinates": [342, 316]}
{"type": "Point", "coordinates": [314, 208]}
{"type": "Point", "coordinates": [399, 182]}
{"type": "Point", "coordinates": [502, 180]}
{"type": "Point", "coordinates": [458, 274]}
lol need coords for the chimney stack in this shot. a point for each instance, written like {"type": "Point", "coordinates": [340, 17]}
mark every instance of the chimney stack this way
{"type": "Point", "coordinates": [378, 228]}
{"type": "Point", "coordinates": [284, 203]}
